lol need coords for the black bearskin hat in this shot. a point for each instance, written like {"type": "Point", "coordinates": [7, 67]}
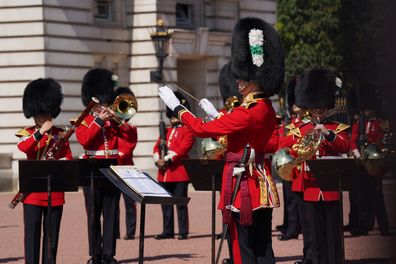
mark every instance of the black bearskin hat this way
{"type": "Point", "coordinates": [368, 97]}
{"type": "Point", "coordinates": [183, 101]}
{"type": "Point", "coordinates": [97, 83]}
{"type": "Point", "coordinates": [122, 90]}
{"type": "Point", "coordinates": [290, 93]}
{"type": "Point", "coordinates": [267, 70]}
{"type": "Point", "coordinates": [316, 89]}
{"type": "Point", "coordinates": [227, 83]}
{"type": "Point", "coordinates": [352, 101]}
{"type": "Point", "coordinates": [42, 97]}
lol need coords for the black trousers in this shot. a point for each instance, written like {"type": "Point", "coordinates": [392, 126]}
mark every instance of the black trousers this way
{"type": "Point", "coordinates": [377, 208]}
{"type": "Point", "coordinates": [105, 201]}
{"type": "Point", "coordinates": [293, 222]}
{"type": "Point", "coordinates": [255, 241]}
{"type": "Point", "coordinates": [326, 233]}
{"type": "Point", "coordinates": [35, 217]}
{"type": "Point", "coordinates": [130, 215]}
{"type": "Point", "coordinates": [305, 219]}
{"type": "Point", "coordinates": [178, 189]}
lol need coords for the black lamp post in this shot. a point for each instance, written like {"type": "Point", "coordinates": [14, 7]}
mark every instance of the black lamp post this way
{"type": "Point", "coordinates": [160, 37]}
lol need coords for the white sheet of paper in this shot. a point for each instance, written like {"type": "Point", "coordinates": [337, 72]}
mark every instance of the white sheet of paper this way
{"type": "Point", "coordinates": [139, 182]}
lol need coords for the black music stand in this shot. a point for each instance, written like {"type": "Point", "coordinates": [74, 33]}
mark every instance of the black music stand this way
{"type": "Point", "coordinates": [199, 171]}
{"type": "Point", "coordinates": [143, 200]}
{"type": "Point", "coordinates": [337, 175]}
{"type": "Point", "coordinates": [48, 176]}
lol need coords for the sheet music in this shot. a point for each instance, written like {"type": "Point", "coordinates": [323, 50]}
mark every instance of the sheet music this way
{"type": "Point", "coordinates": [140, 182]}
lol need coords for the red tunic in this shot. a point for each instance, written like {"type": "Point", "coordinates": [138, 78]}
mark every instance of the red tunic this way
{"type": "Point", "coordinates": [102, 141]}
{"type": "Point", "coordinates": [34, 148]}
{"type": "Point", "coordinates": [306, 181]}
{"type": "Point", "coordinates": [253, 124]}
{"type": "Point", "coordinates": [179, 141]}
{"type": "Point", "coordinates": [375, 129]}
{"type": "Point", "coordinates": [126, 148]}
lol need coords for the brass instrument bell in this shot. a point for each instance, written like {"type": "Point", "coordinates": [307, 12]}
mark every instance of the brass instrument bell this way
{"type": "Point", "coordinates": [125, 106]}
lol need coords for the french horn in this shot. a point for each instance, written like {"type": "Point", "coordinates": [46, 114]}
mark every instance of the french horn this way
{"type": "Point", "coordinates": [283, 162]}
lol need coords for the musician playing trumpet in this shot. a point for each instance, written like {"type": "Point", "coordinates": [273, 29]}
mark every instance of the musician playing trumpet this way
{"type": "Point", "coordinates": [42, 99]}
{"type": "Point", "coordinates": [98, 134]}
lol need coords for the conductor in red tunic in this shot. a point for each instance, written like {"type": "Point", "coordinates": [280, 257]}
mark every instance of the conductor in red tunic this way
{"type": "Point", "coordinates": [171, 172]}
{"type": "Point", "coordinates": [258, 65]}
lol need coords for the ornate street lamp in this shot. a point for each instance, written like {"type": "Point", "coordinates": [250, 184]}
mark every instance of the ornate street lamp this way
{"type": "Point", "coordinates": [160, 37]}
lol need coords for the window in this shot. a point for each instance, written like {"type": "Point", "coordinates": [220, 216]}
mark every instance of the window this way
{"type": "Point", "coordinates": [104, 10]}
{"type": "Point", "coordinates": [183, 15]}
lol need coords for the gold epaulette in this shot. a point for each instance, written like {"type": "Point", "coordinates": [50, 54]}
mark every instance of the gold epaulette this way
{"type": "Point", "coordinates": [341, 127]}
{"type": "Point", "coordinates": [73, 120]}
{"type": "Point", "coordinates": [295, 131]}
{"type": "Point", "coordinates": [385, 125]}
{"type": "Point", "coordinates": [22, 133]}
{"type": "Point", "coordinates": [290, 126]}
{"type": "Point", "coordinates": [252, 99]}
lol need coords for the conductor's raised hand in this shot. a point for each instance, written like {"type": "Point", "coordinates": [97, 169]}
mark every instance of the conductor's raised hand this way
{"type": "Point", "coordinates": [209, 108]}
{"type": "Point", "coordinates": [169, 98]}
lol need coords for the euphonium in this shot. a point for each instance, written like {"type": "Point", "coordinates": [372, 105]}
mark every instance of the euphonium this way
{"type": "Point", "coordinates": [305, 148]}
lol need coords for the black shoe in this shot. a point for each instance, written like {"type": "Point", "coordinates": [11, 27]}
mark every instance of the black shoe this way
{"type": "Point", "coordinates": [95, 260]}
{"type": "Point", "coordinates": [358, 232]}
{"type": "Point", "coordinates": [226, 261]}
{"type": "Point", "coordinates": [109, 260]}
{"type": "Point", "coordinates": [182, 237]}
{"type": "Point", "coordinates": [164, 236]}
{"type": "Point", "coordinates": [129, 237]}
{"type": "Point", "coordinates": [285, 237]}
{"type": "Point", "coordinates": [280, 227]}
{"type": "Point", "coordinates": [303, 261]}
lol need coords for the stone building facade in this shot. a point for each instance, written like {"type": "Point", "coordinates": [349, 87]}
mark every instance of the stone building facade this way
{"type": "Point", "coordinates": [63, 39]}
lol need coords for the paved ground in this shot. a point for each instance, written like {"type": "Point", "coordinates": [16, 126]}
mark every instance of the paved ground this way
{"type": "Point", "coordinates": [73, 238]}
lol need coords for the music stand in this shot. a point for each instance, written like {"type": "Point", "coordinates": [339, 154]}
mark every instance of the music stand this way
{"type": "Point", "coordinates": [48, 176]}
{"type": "Point", "coordinates": [143, 199]}
{"type": "Point", "coordinates": [337, 175]}
{"type": "Point", "coordinates": [199, 171]}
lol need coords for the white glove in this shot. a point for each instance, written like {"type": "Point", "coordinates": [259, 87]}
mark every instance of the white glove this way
{"type": "Point", "coordinates": [209, 108]}
{"type": "Point", "coordinates": [168, 97]}
{"type": "Point", "coordinates": [356, 153]}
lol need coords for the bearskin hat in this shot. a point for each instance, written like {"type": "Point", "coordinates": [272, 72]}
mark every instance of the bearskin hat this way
{"type": "Point", "coordinates": [290, 93]}
{"type": "Point", "coordinates": [183, 102]}
{"type": "Point", "coordinates": [368, 96]}
{"type": "Point", "coordinates": [257, 55]}
{"type": "Point", "coordinates": [227, 83]}
{"type": "Point", "coordinates": [42, 97]}
{"type": "Point", "coordinates": [97, 83]}
{"type": "Point", "coordinates": [316, 89]}
{"type": "Point", "coordinates": [122, 90]}
{"type": "Point", "coordinates": [352, 101]}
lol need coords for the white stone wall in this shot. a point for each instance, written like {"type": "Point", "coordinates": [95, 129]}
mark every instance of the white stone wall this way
{"type": "Point", "coordinates": [63, 40]}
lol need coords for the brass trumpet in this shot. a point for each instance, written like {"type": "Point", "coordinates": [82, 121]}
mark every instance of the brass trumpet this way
{"type": "Point", "coordinates": [124, 107]}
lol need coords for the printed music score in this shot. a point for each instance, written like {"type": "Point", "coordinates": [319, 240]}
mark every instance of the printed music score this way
{"type": "Point", "coordinates": [139, 181]}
